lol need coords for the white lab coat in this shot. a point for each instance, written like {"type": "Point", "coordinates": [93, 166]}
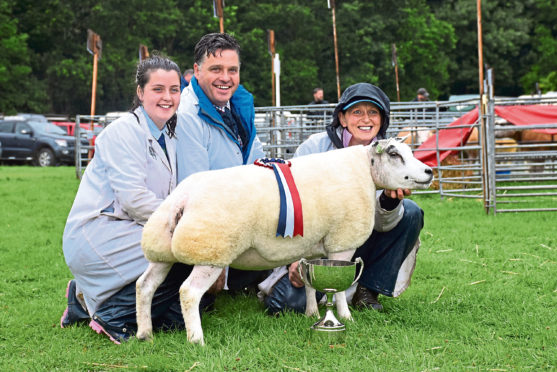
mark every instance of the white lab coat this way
{"type": "Point", "coordinates": [127, 179]}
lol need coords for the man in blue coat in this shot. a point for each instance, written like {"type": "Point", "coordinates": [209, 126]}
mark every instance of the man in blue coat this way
{"type": "Point", "coordinates": [216, 124]}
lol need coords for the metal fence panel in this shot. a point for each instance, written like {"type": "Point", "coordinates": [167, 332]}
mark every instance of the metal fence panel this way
{"type": "Point", "coordinates": [522, 175]}
{"type": "Point", "coordinates": [512, 161]}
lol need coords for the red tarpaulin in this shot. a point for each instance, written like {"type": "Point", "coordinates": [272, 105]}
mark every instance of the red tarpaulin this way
{"type": "Point", "coordinates": [455, 137]}
{"type": "Point", "coordinates": [529, 115]}
{"type": "Point", "coordinates": [452, 137]}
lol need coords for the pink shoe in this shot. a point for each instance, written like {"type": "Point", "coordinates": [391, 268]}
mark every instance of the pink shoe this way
{"type": "Point", "coordinates": [100, 329]}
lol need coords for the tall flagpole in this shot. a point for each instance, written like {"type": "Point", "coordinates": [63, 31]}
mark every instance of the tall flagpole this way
{"type": "Point", "coordinates": [331, 4]}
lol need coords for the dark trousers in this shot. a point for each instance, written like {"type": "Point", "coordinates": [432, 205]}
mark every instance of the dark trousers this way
{"type": "Point", "coordinates": [118, 313]}
{"type": "Point", "coordinates": [383, 254]}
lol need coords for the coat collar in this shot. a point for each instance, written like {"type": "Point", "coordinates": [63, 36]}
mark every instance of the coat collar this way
{"type": "Point", "coordinates": [153, 144]}
{"type": "Point", "coordinates": [242, 104]}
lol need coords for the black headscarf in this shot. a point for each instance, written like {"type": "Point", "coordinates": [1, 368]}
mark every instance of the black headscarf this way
{"type": "Point", "coordinates": [360, 91]}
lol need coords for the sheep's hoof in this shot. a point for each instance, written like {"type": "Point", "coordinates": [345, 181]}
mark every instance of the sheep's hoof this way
{"type": "Point", "coordinates": [144, 336]}
{"type": "Point", "coordinates": [198, 341]}
{"type": "Point", "coordinates": [346, 317]}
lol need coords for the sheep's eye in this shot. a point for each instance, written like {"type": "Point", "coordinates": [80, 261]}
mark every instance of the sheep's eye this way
{"type": "Point", "coordinates": [395, 155]}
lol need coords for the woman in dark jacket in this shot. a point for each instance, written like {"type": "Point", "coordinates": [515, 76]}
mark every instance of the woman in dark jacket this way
{"type": "Point", "coordinates": [361, 117]}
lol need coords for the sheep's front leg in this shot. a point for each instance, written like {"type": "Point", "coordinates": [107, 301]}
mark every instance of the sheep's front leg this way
{"type": "Point", "coordinates": [340, 297]}
{"type": "Point", "coordinates": [145, 288]}
{"type": "Point", "coordinates": [191, 291]}
{"type": "Point", "coordinates": [311, 302]}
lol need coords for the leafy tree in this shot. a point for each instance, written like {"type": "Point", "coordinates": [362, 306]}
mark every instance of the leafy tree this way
{"type": "Point", "coordinates": [20, 90]}
{"type": "Point", "coordinates": [504, 42]}
{"type": "Point", "coordinates": [300, 41]}
{"type": "Point", "coordinates": [44, 66]}
{"type": "Point", "coordinates": [422, 42]}
{"type": "Point", "coordinates": [57, 35]}
{"type": "Point", "coordinates": [542, 58]}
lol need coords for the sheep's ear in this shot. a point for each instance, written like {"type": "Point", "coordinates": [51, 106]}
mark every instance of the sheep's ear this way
{"type": "Point", "coordinates": [402, 139]}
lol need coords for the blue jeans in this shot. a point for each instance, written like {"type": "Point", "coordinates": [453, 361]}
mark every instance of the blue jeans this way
{"type": "Point", "coordinates": [383, 254]}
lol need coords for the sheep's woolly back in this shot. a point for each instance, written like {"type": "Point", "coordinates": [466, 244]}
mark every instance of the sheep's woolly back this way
{"type": "Point", "coordinates": [227, 212]}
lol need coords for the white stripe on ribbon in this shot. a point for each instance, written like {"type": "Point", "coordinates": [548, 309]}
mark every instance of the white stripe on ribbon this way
{"type": "Point", "coordinates": [289, 229]}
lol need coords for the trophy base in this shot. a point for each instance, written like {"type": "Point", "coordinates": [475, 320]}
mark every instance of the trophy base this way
{"type": "Point", "coordinates": [328, 335]}
{"type": "Point", "coordinates": [328, 330]}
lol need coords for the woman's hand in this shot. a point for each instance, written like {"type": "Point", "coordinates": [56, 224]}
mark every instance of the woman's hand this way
{"type": "Point", "coordinates": [294, 275]}
{"type": "Point", "coordinates": [398, 193]}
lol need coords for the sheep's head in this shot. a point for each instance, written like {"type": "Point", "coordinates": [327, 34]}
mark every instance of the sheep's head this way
{"type": "Point", "coordinates": [393, 166]}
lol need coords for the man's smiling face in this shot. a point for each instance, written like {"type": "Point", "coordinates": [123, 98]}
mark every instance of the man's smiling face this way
{"type": "Point", "coordinates": [219, 75]}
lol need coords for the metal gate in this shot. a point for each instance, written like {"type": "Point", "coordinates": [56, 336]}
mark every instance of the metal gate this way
{"type": "Point", "coordinates": [514, 175]}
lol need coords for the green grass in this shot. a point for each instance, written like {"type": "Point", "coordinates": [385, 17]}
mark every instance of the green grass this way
{"type": "Point", "coordinates": [483, 298]}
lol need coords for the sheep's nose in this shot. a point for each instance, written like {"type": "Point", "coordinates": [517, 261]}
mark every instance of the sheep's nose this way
{"type": "Point", "coordinates": [428, 171]}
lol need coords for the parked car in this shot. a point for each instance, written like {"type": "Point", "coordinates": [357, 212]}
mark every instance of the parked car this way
{"type": "Point", "coordinates": [69, 128]}
{"type": "Point", "coordinates": [85, 132]}
{"type": "Point", "coordinates": [42, 143]}
{"type": "Point", "coordinates": [33, 117]}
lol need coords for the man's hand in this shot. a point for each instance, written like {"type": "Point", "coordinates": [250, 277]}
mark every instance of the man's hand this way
{"type": "Point", "coordinates": [398, 193]}
{"type": "Point", "coordinates": [219, 284]}
{"type": "Point", "coordinates": [294, 275]}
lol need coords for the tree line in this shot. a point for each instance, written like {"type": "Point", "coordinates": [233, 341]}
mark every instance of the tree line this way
{"type": "Point", "coordinates": [45, 67]}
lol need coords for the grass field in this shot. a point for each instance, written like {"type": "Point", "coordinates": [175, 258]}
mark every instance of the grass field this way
{"type": "Point", "coordinates": [483, 298]}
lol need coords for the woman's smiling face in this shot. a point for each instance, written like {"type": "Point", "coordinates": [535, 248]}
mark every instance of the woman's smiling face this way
{"type": "Point", "coordinates": [160, 96]}
{"type": "Point", "coordinates": [363, 121]}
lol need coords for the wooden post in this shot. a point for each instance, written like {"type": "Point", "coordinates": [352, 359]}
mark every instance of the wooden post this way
{"type": "Point", "coordinates": [332, 3]}
{"type": "Point", "coordinates": [395, 64]}
{"type": "Point", "coordinates": [219, 11]}
{"type": "Point", "coordinates": [143, 52]}
{"type": "Point", "coordinates": [94, 87]}
{"type": "Point", "coordinates": [272, 53]}
{"type": "Point", "coordinates": [482, 111]}
{"type": "Point", "coordinates": [94, 46]}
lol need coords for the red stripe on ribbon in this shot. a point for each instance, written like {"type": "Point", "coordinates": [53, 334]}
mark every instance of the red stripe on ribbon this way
{"type": "Point", "coordinates": [296, 202]}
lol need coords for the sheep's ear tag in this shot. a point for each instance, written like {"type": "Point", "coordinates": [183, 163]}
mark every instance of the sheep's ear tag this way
{"type": "Point", "coordinates": [378, 149]}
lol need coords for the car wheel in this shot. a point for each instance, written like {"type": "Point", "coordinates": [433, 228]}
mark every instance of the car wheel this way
{"type": "Point", "coordinates": [45, 158]}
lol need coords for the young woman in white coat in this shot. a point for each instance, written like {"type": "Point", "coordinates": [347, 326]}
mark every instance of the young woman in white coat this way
{"type": "Point", "coordinates": [132, 171]}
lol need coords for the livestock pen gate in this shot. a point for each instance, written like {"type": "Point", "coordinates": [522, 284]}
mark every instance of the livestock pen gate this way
{"type": "Point", "coordinates": [82, 162]}
{"type": "Point", "coordinates": [517, 174]}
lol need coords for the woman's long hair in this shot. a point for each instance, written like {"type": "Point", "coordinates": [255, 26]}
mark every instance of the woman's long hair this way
{"type": "Point", "coordinates": [142, 76]}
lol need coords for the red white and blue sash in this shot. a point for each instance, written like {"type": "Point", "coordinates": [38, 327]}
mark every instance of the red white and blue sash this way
{"type": "Point", "coordinates": [291, 221]}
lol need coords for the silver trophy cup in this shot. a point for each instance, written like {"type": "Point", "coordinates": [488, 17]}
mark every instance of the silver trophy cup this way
{"type": "Point", "coordinates": [329, 277]}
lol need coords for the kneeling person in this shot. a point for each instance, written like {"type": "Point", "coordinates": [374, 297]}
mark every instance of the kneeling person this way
{"type": "Point", "coordinates": [389, 255]}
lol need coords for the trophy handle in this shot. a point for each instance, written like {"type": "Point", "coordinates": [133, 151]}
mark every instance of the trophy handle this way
{"type": "Point", "coordinates": [302, 263]}
{"type": "Point", "coordinates": [358, 260]}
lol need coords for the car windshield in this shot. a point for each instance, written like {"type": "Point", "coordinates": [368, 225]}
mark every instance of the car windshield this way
{"type": "Point", "coordinates": [49, 128]}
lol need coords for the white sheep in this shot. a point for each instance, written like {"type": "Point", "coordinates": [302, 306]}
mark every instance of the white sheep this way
{"type": "Point", "coordinates": [229, 217]}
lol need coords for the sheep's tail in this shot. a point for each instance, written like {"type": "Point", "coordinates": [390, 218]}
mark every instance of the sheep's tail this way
{"type": "Point", "coordinates": [157, 234]}
{"type": "Point", "coordinates": [176, 212]}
